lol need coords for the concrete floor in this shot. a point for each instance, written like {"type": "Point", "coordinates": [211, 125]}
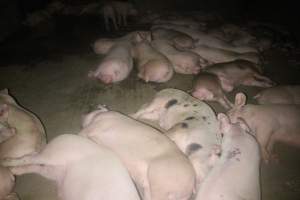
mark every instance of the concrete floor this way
{"type": "Point", "coordinates": [46, 70]}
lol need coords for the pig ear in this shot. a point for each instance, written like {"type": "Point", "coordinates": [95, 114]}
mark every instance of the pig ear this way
{"type": "Point", "coordinates": [4, 91]}
{"type": "Point", "coordinates": [240, 99]}
{"type": "Point", "coordinates": [224, 122]}
{"type": "Point", "coordinates": [4, 111]}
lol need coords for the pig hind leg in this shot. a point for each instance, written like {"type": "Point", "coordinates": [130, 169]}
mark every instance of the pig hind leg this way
{"type": "Point", "coordinates": [47, 171]}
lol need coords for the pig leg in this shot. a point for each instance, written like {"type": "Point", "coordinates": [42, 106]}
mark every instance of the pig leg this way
{"type": "Point", "coordinates": [258, 80]}
{"type": "Point", "coordinates": [225, 102]}
{"type": "Point", "coordinates": [46, 171]}
{"type": "Point", "coordinates": [273, 156]}
{"type": "Point", "coordinates": [150, 111]}
{"type": "Point", "coordinates": [124, 17]}
{"type": "Point", "coordinates": [263, 142]}
{"type": "Point", "coordinates": [113, 19]}
{"type": "Point", "coordinates": [6, 134]}
{"type": "Point", "coordinates": [11, 196]}
{"type": "Point", "coordinates": [106, 22]}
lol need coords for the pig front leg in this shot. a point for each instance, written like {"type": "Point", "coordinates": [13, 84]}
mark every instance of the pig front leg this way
{"type": "Point", "coordinates": [259, 80]}
{"type": "Point", "coordinates": [225, 102]}
{"type": "Point", "coordinates": [114, 21]}
{"type": "Point", "coordinates": [11, 196]}
{"type": "Point", "coordinates": [124, 18]}
{"type": "Point", "coordinates": [106, 22]}
{"type": "Point", "coordinates": [6, 133]}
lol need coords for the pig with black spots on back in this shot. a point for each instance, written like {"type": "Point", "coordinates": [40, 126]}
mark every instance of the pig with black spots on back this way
{"type": "Point", "coordinates": [189, 122]}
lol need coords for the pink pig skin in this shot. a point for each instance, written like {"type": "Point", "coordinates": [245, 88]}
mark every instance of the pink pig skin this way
{"type": "Point", "coordinates": [271, 123]}
{"type": "Point", "coordinates": [28, 132]}
{"type": "Point", "coordinates": [116, 65]}
{"type": "Point", "coordinates": [282, 94]}
{"type": "Point", "coordinates": [239, 72]}
{"type": "Point", "coordinates": [207, 87]}
{"type": "Point", "coordinates": [184, 62]}
{"type": "Point", "coordinates": [152, 65]}
{"type": "Point", "coordinates": [7, 183]}
{"type": "Point", "coordinates": [81, 169]}
{"type": "Point", "coordinates": [146, 152]}
{"type": "Point", "coordinates": [235, 175]}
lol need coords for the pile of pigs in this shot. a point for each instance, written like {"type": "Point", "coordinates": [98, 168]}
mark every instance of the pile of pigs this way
{"type": "Point", "coordinates": [195, 152]}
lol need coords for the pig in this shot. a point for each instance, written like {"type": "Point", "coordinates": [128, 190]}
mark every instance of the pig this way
{"type": "Point", "coordinates": [182, 21]}
{"type": "Point", "coordinates": [184, 62]}
{"type": "Point", "coordinates": [235, 175]}
{"type": "Point", "coordinates": [123, 10]}
{"type": "Point", "coordinates": [187, 121]}
{"type": "Point", "coordinates": [271, 123]}
{"type": "Point", "coordinates": [152, 65]}
{"type": "Point", "coordinates": [81, 169]}
{"type": "Point", "coordinates": [239, 72]}
{"type": "Point", "coordinates": [146, 153]}
{"type": "Point", "coordinates": [205, 39]}
{"type": "Point", "coordinates": [282, 94]}
{"type": "Point", "coordinates": [109, 14]}
{"type": "Point", "coordinates": [216, 55]}
{"type": "Point", "coordinates": [178, 39]}
{"type": "Point", "coordinates": [116, 65]}
{"type": "Point", "coordinates": [103, 45]}
{"type": "Point", "coordinates": [6, 131]}
{"type": "Point", "coordinates": [7, 184]}
{"type": "Point", "coordinates": [207, 87]}
{"type": "Point", "coordinates": [237, 36]}
{"type": "Point", "coordinates": [29, 136]}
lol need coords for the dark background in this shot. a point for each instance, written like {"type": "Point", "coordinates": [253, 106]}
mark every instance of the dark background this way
{"type": "Point", "coordinates": [286, 13]}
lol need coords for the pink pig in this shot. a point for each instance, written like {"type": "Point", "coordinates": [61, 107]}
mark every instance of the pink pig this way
{"type": "Point", "coordinates": [81, 169]}
{"type": "Point", "coordinates": [235, 175]}
{"type": "Point", "coordinates": [160, 170]}
{"type": "Point", "coordinates": [152, 65]}
{"type": "Point", "coordinates": [208, 87]}
{"type": "Point", "coordinates": [27, 134]}
{"type": "Point", "coordinates": [184, 62]}
{"type": "Point", "coordinates": [239, 72]}
{"type": "Point", "coordinates": [116, 65]}
{"type": "Point", "coordinates": [282, 94]}
{"type": "Point", "coordinates": [271, 123]}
